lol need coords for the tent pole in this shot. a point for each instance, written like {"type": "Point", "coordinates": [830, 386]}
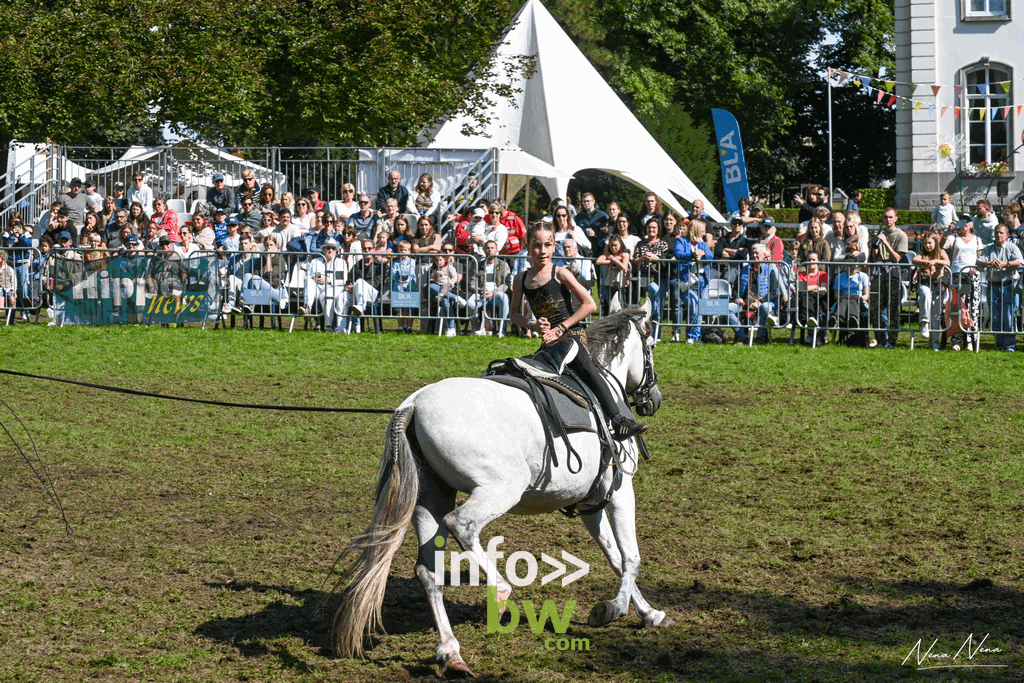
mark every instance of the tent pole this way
{"type": "Point", "coordinates": [831, 187]}
{"type": "Point", "coordinates": [526, 204]}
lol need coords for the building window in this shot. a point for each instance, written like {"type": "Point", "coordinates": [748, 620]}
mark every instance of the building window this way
{"type": "Point", "coordinates": [989, 90]}
{"type": "Point", "coordinates": [985, 9]}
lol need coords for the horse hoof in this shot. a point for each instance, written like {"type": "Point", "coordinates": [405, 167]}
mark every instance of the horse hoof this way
{"type": "Point", "coordinates": [659, 620]}
{"type": "Point", "coordinates": [455, 667]}
{"type": "Point", "coordinates": [603, 613]}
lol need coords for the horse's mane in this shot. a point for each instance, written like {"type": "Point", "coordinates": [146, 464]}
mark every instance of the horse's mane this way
{"type": "Point", "coordinates": [607, 336]}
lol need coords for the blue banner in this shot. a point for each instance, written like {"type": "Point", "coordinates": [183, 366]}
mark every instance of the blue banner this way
{"type": "Point", "coordinates": [730, 154]}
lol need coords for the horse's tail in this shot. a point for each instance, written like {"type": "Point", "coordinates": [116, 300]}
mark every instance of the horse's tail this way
{"type": "Point", "coordinates": [366, 578]}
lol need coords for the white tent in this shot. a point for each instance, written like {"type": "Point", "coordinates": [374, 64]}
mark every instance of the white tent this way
{"type": "Point", "coordinates": [546, 118]}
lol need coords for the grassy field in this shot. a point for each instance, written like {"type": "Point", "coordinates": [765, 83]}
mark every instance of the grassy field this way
{"type": "Point", "coordinates": [807, 515]}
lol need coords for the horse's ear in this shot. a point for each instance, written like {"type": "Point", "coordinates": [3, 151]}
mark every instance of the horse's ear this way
{"type": "Point", "coordinates": [646, 308]}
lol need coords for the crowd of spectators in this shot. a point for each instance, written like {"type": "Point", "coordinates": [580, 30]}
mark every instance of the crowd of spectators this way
{"type": "Point", "coordinates": [834, 274]}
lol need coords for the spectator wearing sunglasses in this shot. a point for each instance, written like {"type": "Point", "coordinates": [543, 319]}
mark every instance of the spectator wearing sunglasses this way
{"type": "Point", "coordinates": [248, 215]}
{"type": "Point", "coordinates": [365, 221]}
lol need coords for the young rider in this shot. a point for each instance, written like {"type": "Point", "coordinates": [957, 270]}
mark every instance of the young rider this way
{"type": "Point", "coordinates": [550, 289]}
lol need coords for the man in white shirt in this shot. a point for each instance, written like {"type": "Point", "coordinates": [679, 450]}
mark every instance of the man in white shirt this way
{"type": "Point", "coordinates": [140, 192]}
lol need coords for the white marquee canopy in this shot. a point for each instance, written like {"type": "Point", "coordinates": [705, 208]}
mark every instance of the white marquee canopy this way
{"type": "Point", "coordinates": [547, 120]}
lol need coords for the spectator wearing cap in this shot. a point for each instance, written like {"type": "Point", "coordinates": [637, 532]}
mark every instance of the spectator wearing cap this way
{"type": "Point", "coordinates": [776, 248]}
{"type": "Point", "coordinates": [324, 284]}
{"type": "Point", "coordinates": [66, 271]}
{"type": "Point", "coordinates": [140, 192]}
{"type": "Point", "coordinates": [93, 200]}
{"type": "Point", "coordinates": [76, 202]}
{"type": "Point", "coordinates": [249, 188]}
{"type": "Point", "coordinates": [734, 246]}
{"type": "Point", "coordinates": [120, 201]}
{"type": "Point", "coordinates": [220, 196]}
{"type": "Point", "coordinates": [219, 223]}
{"type": "Point", "coordinates": [393, 190]}
{"type": "Point", "coordinates": [228, 236]}
{"type": "Point", "coordinates": [19, 246]}
{"type": "Point", "coordinates": [476, 231]}
{"type": "Point", "coordinates": [61, 223]}
{"type": "Point", "coordinates": [313, 195]}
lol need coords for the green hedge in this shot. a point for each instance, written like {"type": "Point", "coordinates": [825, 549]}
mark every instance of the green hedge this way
{"type": "Point", "coordinates": [868, 216]}
{"type": "Point", "coordinates": [875, 198]}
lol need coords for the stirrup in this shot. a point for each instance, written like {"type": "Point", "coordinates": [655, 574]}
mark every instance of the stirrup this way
{"type": "Point", "coordinates": [624, 429]}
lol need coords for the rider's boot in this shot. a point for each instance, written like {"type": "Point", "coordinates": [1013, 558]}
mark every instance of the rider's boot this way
{"type": "Point", "coordinates": [624, 427]}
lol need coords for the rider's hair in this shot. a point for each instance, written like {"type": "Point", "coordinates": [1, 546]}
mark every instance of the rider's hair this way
{"type": "Point", "coordinates": [538, 227]}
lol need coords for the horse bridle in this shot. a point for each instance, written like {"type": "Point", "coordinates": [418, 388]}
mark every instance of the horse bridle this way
{"type": "Point", "coordinates": [641, 396]}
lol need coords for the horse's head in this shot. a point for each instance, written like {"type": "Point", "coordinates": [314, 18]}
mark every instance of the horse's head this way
{"type": "Point", "coordinates": [642, 377]}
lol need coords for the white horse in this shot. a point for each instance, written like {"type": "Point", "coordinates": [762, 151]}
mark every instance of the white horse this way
{"type": "Point", "coordinates": [486, 439]}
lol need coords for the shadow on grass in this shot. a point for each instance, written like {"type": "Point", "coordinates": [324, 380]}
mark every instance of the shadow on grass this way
{"type": "Point", "coordinates": [869, 629]}
{"type": "Point", "coordinates": [309, 617]}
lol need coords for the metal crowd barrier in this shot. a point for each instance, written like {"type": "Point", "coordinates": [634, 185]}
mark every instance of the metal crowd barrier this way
{"type": "Point", "coordinates": [83, 286]}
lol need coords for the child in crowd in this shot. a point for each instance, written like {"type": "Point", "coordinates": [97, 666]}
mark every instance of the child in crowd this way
{"type": "Point", "coordinates": [403, 279]}
{"type": "Point", "coordinates": [944, 213]}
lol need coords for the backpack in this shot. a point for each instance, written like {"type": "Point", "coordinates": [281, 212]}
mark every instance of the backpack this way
{"type": "Point", "coordinates": [712, 335]}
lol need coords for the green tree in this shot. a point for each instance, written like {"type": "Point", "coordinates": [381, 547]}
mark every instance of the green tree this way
{"type": "Point", "coordinates": [754, 58]}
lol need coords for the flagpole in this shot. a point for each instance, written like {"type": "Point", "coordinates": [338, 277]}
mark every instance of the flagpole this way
{"type": "Point", "coordinates": [831, 187]}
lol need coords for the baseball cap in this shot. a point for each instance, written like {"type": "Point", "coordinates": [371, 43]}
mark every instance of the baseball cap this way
{"type": "Point", "coordinates": [768, 222]}
{"type": "Point", "coordinates": [329, 244]}
{"type": "Point", "coordinates": [63, 235]}
{"type": "Point", "coordinates": [736, 220]}
{"type": "Point", "coordinates": [479, 213]}
{"type": "Point", "coordinates": [118, 184]}
{"type": "Point", "coordinates": [165, 240]}
{"type": "Point", "coordinates": [131, 240]}
{"type": "Point", "coordinates": [232, 220]}
{"type": "Point", "coordinates": [75, 181]}
{"type": "Point", "coordinates": [218, 176]}
{"type": "Point", "coordinates": [757, 206]}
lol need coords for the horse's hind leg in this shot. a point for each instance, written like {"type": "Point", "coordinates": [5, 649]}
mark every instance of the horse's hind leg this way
{"type": "Point", "coordinates": [601, 529]}
{"type": "Point", "coordinates": [483, 506]}
{"type": "Point", "coordinates": [434, 502]}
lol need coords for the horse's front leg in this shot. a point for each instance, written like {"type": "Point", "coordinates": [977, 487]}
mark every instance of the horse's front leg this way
{"type": "Point", "coordinates": [614, 529]}
{"type": "Point", "coordinates": [600, 528]}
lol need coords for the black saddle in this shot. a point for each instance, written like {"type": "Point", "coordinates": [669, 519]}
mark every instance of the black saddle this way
{"type": "Point", "coordinates": [565, 405]}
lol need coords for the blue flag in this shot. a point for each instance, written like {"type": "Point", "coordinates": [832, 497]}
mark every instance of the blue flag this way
{"type": "Point", "coordinates": [730, 154]}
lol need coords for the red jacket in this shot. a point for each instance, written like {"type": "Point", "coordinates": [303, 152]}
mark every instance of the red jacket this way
{"type": "Point", "coordinates": [516, 241]}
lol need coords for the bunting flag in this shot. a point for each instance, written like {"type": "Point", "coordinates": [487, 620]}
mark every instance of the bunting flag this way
{"type": "Point", "coordinates": [884, 94]}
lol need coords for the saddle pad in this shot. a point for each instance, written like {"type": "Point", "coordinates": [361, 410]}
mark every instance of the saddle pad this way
{"type": "Point", "coordinates": [574, 416]}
